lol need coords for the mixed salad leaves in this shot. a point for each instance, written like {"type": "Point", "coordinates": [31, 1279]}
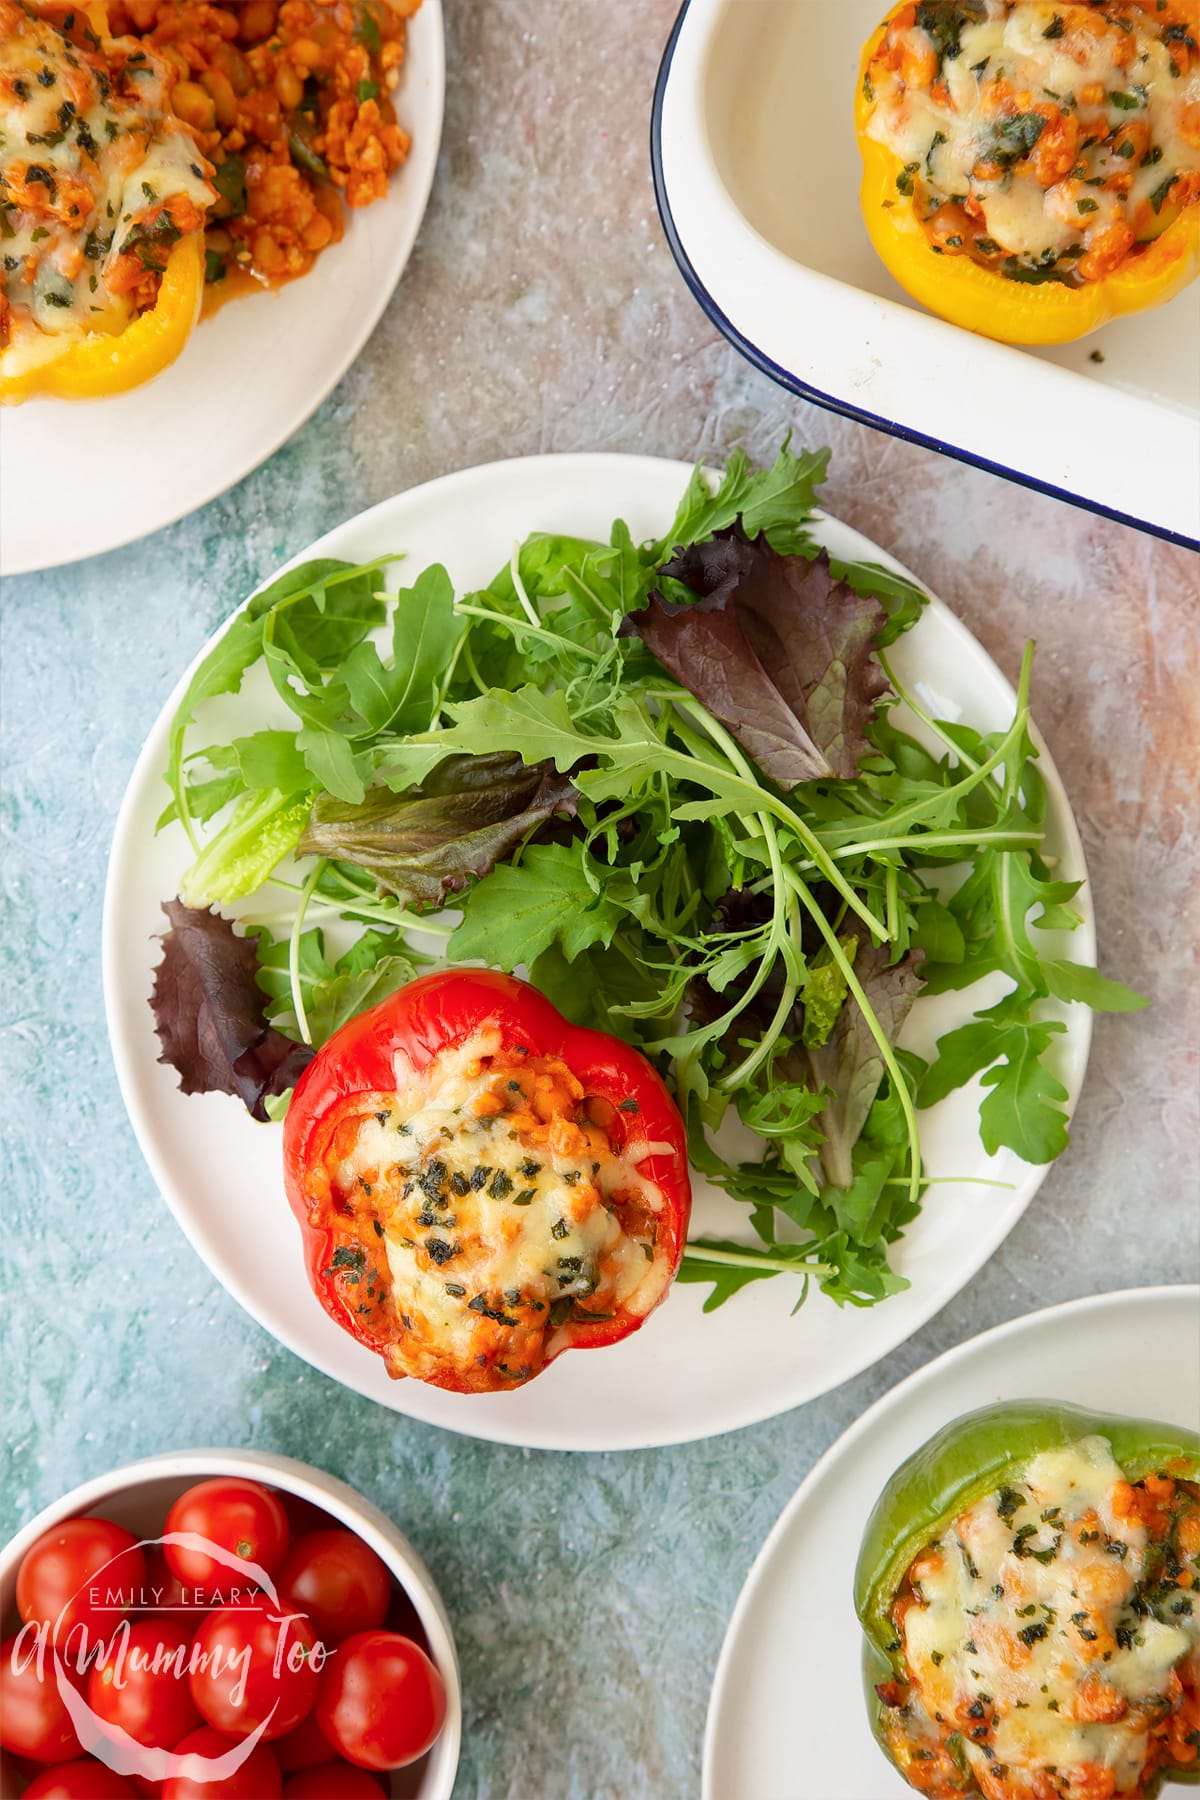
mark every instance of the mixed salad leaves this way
{"type": "Point", "coordinates": [669, 781]}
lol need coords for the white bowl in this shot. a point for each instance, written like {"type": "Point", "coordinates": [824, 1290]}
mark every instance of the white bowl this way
{"type": "Point", "coordinates": [138, 1497]}
{"type": "Point", "coordinates": [752, 95]}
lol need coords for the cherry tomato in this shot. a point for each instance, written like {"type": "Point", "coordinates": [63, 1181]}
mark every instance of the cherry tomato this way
{"type": "Point", "coordinates": [165, 1593]}
{"type": "Point", "coordinates": [149, 1790]}
{"type": "Point", "coordinates": [333, 1781]}
{"type": "Point", "coordinates": [303, 1516]}
{"type": "Point", "coordinates": [382, 1702]}
{"type": "Point", "coordinates": [33, 1720]}
{"type": "Point", "coordinates": [403, 1617]}
{"type": "Point", "coordinates": [142, 1687]}
{"type": "Point", "coordinates": [241, 1517]}
{"type": "Point", "coordinates": [304, 1747]}
{"type": "Point", "coordinates": [338, 1582]}
{"type": "Point", "coordinates": [83, 1780]}
{"type": "Point", "coordinates": [253, 1665]}
{"type": "Point", "coordinates": [83, 1573]}
{"type": "Point", "coordinates": [256, 1778]}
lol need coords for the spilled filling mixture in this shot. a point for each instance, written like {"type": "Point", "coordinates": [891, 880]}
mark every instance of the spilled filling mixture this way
{"type": "Point", "coordinates": [489, 1211]}
{"type": "Point", "coordinates": [98, 180]}
{"type": "Point", "coordinates": [1046, 142]}
{"type": "Point", "coordinates": [1052, 1638]}
{"type": "Point", "coordinates": [293, 104]}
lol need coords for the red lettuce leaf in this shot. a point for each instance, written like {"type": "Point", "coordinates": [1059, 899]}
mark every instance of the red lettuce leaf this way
{"type": "Point", "coordinates": [210, 1013]}
{"type": "Point", "coordinates": [425, 843]}
{"type": "Point", "coordinates": [849, 1064]}
{"type": "Point", "coordinates": [777, 648]}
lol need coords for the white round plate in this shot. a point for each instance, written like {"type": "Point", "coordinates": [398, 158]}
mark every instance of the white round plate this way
{"type": "Point", "coordinates": [246, 380]}
{"type": "Point", "coordinates": [685, 1375]}
{"type": "Point", "coordinates": [787, 1719]}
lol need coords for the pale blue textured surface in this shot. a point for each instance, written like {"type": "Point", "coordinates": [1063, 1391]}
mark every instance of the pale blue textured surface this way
{"type": "Point", "coordinates": [542, 312]}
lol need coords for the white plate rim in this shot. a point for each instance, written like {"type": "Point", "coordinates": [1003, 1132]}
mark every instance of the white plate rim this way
{"type": "Point", "coordinates": [420, 168]}
{"type": "Point", "coordinates": [927, 1375]}
{"type": "Point", "coordinates": [126, 1047]}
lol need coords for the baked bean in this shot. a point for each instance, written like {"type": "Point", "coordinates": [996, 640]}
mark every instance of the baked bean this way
{"type": "Point", "coordinates": [194, 106]}
{"type": "Point", "coordinates": [178, 61]}
{"type": "Point", "coordinates": [218, 84]}
{"type": "Point", "coordinates": [230, 58]}
{"type": "Point", "coordinates": [289, 87]}
{"type": "Point", "coordinates": [307, 53]}
{"type": "Point", "coordinates": [256, 20]}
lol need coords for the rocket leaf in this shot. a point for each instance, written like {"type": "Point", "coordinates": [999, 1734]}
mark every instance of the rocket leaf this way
{"type": "Point", "coordinates": [518, 912]}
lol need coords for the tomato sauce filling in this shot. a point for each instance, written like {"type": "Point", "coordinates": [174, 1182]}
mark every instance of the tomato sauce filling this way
{"type": "Point", "coordinates": [293, 104]}
{"type": "Point", "coordinates": [1046, 142]}
{"type": "Point", "coordinates": [98, 178]}
{"type": "Point", "coordinates": [1051, 1639]}
{"type": "Point", "coordinates": [483, 1215]}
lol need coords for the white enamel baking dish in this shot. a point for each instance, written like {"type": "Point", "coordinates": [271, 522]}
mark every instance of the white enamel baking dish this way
{"type": "Point", "coordinates": [756, 173]}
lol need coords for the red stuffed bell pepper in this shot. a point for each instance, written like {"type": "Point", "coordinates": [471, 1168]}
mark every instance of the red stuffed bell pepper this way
{"type": "Point", "coordinates": [481, 1185]}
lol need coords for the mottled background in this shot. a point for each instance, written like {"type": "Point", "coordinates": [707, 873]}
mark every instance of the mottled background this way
{"type": "Point", "coordinates": [542, 312]}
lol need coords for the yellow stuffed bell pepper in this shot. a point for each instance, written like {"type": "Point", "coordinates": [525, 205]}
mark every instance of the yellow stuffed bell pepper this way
{"type": "Point", "coordinates": [1089, 152]}
{"type": "Point", "coordinates": [98, 363]}
{"type": "Point", "coordinates": [106, 193]}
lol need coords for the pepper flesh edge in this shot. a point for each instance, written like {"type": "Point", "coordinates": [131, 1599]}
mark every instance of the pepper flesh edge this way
{"type": "Point", "coordinates": [974, 1456]}
{"type": "Point", "coordinates": [993, 305]}
{"type": "Point", "coordinates": [102, 363]}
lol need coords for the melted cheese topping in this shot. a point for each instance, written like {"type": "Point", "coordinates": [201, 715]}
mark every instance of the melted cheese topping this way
{"type": "Point", "coordinates": [504, 1213]}
{"type": "Point", "coordinates": [1049, 1627]}
{"type": "Point", "coordinates": [97, 180]}
{"type": "Point", "coordinates": [1047, 140]}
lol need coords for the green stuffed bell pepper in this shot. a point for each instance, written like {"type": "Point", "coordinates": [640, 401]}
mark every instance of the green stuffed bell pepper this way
{"type": "Point", "coordinates": [1029, 1589]}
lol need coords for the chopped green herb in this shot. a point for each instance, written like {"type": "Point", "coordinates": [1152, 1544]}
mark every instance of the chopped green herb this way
{"type": "Point", "coordinates": [904, 180]}
{"type": "Point", "coordinates": [1159, 197]}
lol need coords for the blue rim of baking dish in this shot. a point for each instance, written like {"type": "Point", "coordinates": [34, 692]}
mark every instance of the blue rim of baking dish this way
{"type": "Point", "coordinates": [831, 402]}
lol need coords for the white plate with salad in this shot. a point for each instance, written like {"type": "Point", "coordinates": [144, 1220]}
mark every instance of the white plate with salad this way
{"type": "Point", "coordinates": [728, 897]}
